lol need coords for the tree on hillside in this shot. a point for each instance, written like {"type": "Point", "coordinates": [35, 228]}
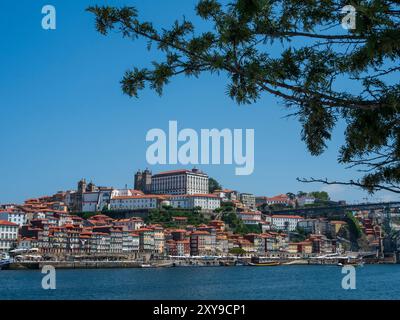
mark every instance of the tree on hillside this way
{"type": "Point", "coordinates": [291, 195]}
{"type": "Point", "coordinates": [301, 194]}
{"type": "Point", "coordinates": [213, 185]}
{"type": "Point", "coordinates": [320, 195]}
{"type": "Point", "coordinates": [296, 51]}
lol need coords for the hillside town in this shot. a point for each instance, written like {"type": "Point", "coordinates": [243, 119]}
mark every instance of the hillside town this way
{"type": "Point", "coordinates": [175, 215]}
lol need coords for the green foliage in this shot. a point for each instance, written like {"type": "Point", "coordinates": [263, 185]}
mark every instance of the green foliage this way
{"type": "Point", "coordinates": [164, 217]}
{"type": "Point", "coordinates": [213, 185]}
{"type": "Point", "coordinates": [88, 215]}
{"type": "Point", "coordinates": [307, 73]}
{"type": "Point", "coordinates": [320, 195]}
{"type": "Point", "coordinates": [354, 226]}
{"type": "Point", "coordinates": [237, 251]}
{"type": "Point", "coordinates": [235, 224]}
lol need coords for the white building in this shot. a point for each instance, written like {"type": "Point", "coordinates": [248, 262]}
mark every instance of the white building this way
{"type": "Point", "coordinates": [125, 193]}
{"type": "Point", "coordinates": [248, 200]}
{"type": "Point", "coordinates": [136, 202]}
{"type": "Point", "coordinates": [180, 182]}
{"type": "Point", "coordinates": [17, 217]}
{"type": "Point", "coordinates": [285, 222]}
{"type": "Point", "coordinates": [226, 195]}
{"type": "Point", "coordinates": [96, 200]}
{"type": "Point", "coordinates": [306, 200]}
{"type": "Point", "coordinates": [8, 235]}
{"type": "Point", "coordinates": [250, 217]}
{"type": "Point", "coordinates": [207, 202]}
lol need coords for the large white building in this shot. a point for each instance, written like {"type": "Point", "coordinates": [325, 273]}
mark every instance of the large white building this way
{"type": "Point", "coordinates": [207, 202]}
{"type": "Point", "coordinates": [180, 182]}
{"type": "Point", "coordinates": [137, 202]}
{"type": "Point", "coordinates": [284, 222]}
{"type": "Point", "coordinates": [8, 235]}
{"type": "Point", "coordinates": [15, 216]}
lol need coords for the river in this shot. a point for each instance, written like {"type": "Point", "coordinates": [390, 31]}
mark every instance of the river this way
{"type": "Point", "coordinates": [249, 283]}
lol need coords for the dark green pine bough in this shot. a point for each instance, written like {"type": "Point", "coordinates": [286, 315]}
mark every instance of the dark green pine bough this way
{"type": "Point", "coordinates": [316, 55]}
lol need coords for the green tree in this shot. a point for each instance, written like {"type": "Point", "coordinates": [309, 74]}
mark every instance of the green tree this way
{"type": "Point", "coordinates": [291, 195]}
{"type": "Point", "coordinates": [237, 251]}
{"type": "Point", "coordinates": [301, 194]}
{"type": "Point", "coordinates": [307, 74]}
{"type": "Point", "coordinates": [320, 195]}
{"type": "Point", "coordinates": [213, 185]}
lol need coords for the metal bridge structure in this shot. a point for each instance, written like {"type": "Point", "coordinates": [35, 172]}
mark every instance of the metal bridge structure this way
{"type": "Point", "coordinates": [334, 210]}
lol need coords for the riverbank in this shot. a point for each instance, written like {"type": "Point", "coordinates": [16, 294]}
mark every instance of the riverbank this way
{"type": "Point", "coordinates": [185, 262]}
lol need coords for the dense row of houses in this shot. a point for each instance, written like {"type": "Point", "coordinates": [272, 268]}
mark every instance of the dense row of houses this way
{"type": "Point", "coordinates": [59, 233]}
{"type": "Point", "coordinates": [50, 225]}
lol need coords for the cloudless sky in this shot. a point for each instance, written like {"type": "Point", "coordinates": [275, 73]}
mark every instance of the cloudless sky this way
{"type": "Point", "coordinates": [64, 117]}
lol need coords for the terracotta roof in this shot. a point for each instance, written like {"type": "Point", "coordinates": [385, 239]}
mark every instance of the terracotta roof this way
{"type": "Point", "coordinates": [287, 216]}
{"type": "Point", "coordinates": [7, 223]}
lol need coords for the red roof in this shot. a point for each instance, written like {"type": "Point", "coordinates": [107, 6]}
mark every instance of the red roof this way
{"type": "Point", "coordinates": [287, 216]}
{"type": "Point", "coordinates": [7, 223]}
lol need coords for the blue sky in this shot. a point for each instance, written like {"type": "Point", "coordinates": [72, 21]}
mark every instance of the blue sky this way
{"type": "Point", "coordinates": [64, 117]}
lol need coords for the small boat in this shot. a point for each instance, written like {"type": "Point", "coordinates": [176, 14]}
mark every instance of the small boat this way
{"type": "Point", "coordinates": [5, 263]}
{"type": "Point", "coordinates": [146, 266]}
{"type": "Point", "coordinates": [265, 264]}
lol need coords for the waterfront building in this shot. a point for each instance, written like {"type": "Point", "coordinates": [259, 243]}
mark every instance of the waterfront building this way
{"type": "Point", "coordinates": [8, 235]}
{"type": "Point", "coordinates": [180, 182]}
{"type": "Point", "coordinates": [258, 242]}
{"type": "Point", "coordinates": [178, 234]}
{"type": "Point", "coordinates": [207, 202]}
{"type": "Point", "coordinates": [146, 239]}
{"type": "Point", "coordinates": [200, 243]}
{"type": "Point", "coordinates": [285, 222]}
{"type": "Point", "coordinates": [26, 243]}
{"type": "Point", "coordinates": [183, 248]}
{"type": "Point", "coordinates": [179, 248]}
{"type": "Point", "coordinates": [270, 242]}
{"type": "Point", "coordinates": [99, 242]}
{"type": "Point", "coordinates": [222, 244]}
{"type": "Point", "coordinates": [246, 245]}
{"type": "Point", "coordinates": [159, 239]}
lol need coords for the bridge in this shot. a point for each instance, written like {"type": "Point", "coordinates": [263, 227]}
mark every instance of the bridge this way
{"type": "Point", "coordinates": [337, 209]}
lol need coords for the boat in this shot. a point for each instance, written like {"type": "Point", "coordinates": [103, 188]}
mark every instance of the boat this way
{"type": "Point", "coordinates": [5, 261]}
{"type": "Point", "coordinates": [264, 264]}
{"type": "Point", "coordinates": [146, 266]}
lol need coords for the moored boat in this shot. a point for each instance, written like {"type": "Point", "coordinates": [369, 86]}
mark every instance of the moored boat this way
{"type": "Point", "coordinates": [264, 264]}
